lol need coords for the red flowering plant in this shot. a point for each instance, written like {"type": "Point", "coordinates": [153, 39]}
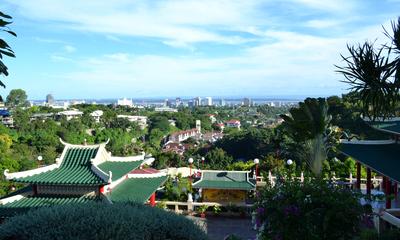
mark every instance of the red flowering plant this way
{"type": "Point", "coordinates": [314, 209]}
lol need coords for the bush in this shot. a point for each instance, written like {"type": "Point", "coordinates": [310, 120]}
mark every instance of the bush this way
{"type": "Point", "coordinates": [310, 210]}
{"type": "Point", "coordinates": [100, 221]}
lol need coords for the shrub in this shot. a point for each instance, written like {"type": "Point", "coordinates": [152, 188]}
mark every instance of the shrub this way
{"type": "Point", "coordinates": [100, 221]}
{"type": "Point", "coordinates": [311, 210]}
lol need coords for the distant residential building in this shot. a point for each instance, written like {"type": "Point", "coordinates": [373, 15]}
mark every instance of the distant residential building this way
{"type": "Point", "coordinates": [165, 109]}
{"type": "Point", "coordinates": [212, 118]}
{"type": "Point", "coordinates": [222, 102]}
{"type": "Point", "coordinates": [233, 123]}
{"type": "Point", "coordinates": [41, 116]}
{"type": "Point", "coordinates": [96, 115]}
{"type": "Point", "coordinates": [6, 118]}
{"type": "Point", "coordinates": [180, 136]}
{"type": "Point", "coordinates": [174, 147]}
{"type": "Point", "coordinates": [247, 102]}
{"type": "Point", "coordinates": [76, 102]}
{"type": "Point", "coordinates": [140, 120]}
{"type": "Point", "coordinates": [125, 102]}
{"type": "Point", "coordinates": [71, 114]}
{"type": "Point", "coordinates": [221, 126]}
{"type": "Point", "coordinates": [172, 122]}
{"type": "Point", "coordinates": [49, 100]}
{"type": "Point", "coordinates": [191, 103]}
{"type": "Point", "coordinates": [208, 101]}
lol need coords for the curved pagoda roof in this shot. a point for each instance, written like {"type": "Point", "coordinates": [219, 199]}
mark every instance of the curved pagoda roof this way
{"type": "Point", "coordinates": [391, 125]}
{"type": "Point", "coordinates": [88, 165]}
{"type": "Point", "coordinates": [383, 156]}
{"type": "Point", "coordinates": [75, 169]}
{"type": "Point", "coordinates": [232, 180]}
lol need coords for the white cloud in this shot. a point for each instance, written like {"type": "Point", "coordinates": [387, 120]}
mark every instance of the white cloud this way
{"type": "Point", "coordinates": [172, 21]}
{"type": "Point", "coordinates": [69, 49]}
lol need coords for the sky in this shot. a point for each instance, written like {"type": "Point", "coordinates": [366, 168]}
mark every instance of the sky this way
{"type": "Point", "coordinates": [182, 48]}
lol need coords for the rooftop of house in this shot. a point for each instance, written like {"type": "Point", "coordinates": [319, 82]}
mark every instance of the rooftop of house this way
{"type": "Point", "coordinates": [232, 180]}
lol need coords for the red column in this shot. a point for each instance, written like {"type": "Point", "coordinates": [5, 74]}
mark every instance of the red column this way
{"type": "Point", "coordinates": [358, 182]}
{"type": "Point", "coordinates": [369, 181]}
{"type": "Point", "coordinates": [153, 199]}
{"type": "Point", "coordinates": [388, 186]}
{"type": "Point", "coordinates": [101, 189]}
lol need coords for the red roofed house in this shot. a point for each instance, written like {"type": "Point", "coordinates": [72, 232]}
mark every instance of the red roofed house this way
{"type": "Point", "coordinates": [233, 123]}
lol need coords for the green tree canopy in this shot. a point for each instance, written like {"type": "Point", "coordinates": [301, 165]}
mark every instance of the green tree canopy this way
{"type": "Point", "coordinates": [17, 98]}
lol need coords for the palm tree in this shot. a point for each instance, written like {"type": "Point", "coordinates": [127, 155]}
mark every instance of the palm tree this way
{"type": "Point", "coordinates": [308, 125]}
{"type": "Point", "coordinates": [373, 76]}
{"type": "Point", "coordinates": [5, 49]}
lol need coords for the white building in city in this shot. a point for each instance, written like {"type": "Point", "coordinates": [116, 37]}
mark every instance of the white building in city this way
{"type": "Point", "coordinates": [96, 115]}
{"type": "Point", "coordinates": [125, 102]}
{"type": "Point", "coordinates": [208, 101]}
{"type": "Point", "coordinates": [165, 109]}
{"type": "Point", "coordinates": [140, 120]}
{"type": "Point", "coordinates": [71, 114]}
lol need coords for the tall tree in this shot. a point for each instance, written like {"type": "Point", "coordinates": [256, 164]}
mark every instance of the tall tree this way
{"type": "Point", "coordinates": [5, 49]}
{"type": "Point", "coordinates": [308, 124]}
{"type": "Point", "coordinates": [17, 98]}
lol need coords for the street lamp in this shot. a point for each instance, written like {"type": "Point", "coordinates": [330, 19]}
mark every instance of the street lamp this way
{"type": "Point", "coordinates": [39, 158]}
{"type": "Point", "coordinates": [202, 162]}
{"type": "Point", "coordinates": [256, 162]}
{"type": "Point", "coordinates": [190, 197]}
{"type": "Point", "coordinates": [190, 169]}
{"type": "Point", "coordinates": [289, 162]}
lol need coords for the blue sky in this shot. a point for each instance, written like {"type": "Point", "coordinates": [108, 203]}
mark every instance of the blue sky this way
{"type": "Point", "coordinates": [110, 49]}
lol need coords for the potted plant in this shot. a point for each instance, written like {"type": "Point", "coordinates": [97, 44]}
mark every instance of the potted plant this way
{"type": "Point", "coordinates": [216, 209]}
{"type": "Point", "coordinates": [202, 210]}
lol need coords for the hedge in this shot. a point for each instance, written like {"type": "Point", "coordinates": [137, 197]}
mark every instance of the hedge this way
{"type": "Point", "coordinates": [100, 221]}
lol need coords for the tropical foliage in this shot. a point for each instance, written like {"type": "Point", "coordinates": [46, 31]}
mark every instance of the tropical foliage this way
{"type": "Point", "coordinates": [5, 49]}
{"type": "Point", "coordinates": [311, 210]}
{"type": "Point", "coordinates": [100, 221]}
{"type": "Point", "coordinates": [309, 125]}
{"type": "Point", "coordinates": [374, 74]}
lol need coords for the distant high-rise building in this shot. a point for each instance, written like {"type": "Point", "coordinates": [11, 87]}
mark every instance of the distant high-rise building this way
{"type": "Point", "coordinates": [191, 103]}
{"type": "Point", "coordinates": [178, 102]}
{"type": "Point", "coordinates": [208, 101]}
{"type": "Point", "coordinates": [167, 103]}
{"type": "Point", "coordinates": [125, 102]}
{"type": "Point", "coordinates": [197, 101]}
{"type": "Point", "coordinates": [49, 100]}
{"type": "Point", "coordinates": [247, 102]}
{"type": "Point", "coordinates": [222, 102]}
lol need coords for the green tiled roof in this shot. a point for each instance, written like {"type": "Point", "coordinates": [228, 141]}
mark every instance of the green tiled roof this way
{"type": "Point", "coordinates": [136, 189]}
{"type": "Point", "coordinates": [224, 180]}
{"type": "Point", "coordinates": [387, 126]}
{"type": "Point", "coordinates": [382, 158]}
{"type": "Point", "coordinates": [119, 169]}
{"type": "Point", "coordinates": [74, 170]}
{"type": "Point", "coordinates": [28, 203]}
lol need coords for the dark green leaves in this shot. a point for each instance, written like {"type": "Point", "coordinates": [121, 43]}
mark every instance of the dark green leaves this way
{"type": "Point", "coordinates": [5, 49]}
{"type": "Point", "coordinates": [373, 76]}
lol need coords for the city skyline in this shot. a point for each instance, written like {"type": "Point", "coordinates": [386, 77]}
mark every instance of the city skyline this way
{"type": "Point", "coordinates": [98, 49]}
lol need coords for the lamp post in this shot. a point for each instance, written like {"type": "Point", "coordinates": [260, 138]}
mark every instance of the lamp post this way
{"type": "Point", "coordinates": [190, 197]}
{"type": "Point", "coordinates": [190, 169]}
{"type": "Point", "coordinates": [256, 162]}
{"type": "Point", "coordinates": [40, 158]}
{"type": "Point", "coordinates": [202, 162]}
{"type": "Point", "coordinates": [289, 162]}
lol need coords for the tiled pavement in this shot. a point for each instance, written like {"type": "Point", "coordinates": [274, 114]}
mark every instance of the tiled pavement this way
{"type": "Point", "coordinates": [219, 227]}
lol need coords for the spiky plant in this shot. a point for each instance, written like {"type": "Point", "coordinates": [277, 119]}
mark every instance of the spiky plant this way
{"type": "Point", "coordinates": [308, 124]}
